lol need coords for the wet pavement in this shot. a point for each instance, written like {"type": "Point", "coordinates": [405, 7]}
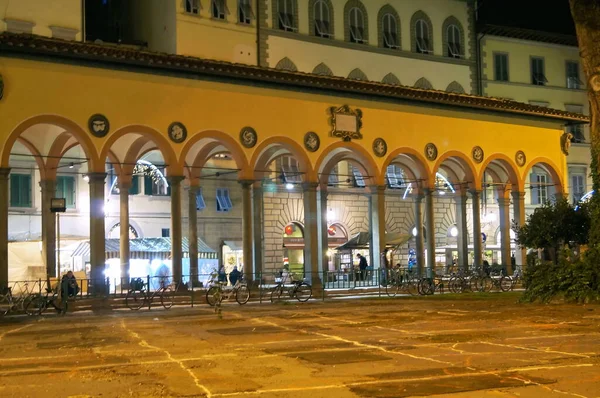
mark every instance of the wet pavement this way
{"type": "Point", "coordinates": [444, 346]}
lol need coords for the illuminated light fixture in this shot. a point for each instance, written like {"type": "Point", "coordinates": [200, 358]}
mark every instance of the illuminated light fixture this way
{"type": "Point", "coordinates": [442, 192]}
{"type": "Point", "coordinates": [407, 191]}
{"type": "Point", "coordinates": [454, 231]}
{"type": "Point", "coordinates": [329, 253]}
{"type": "Point", "coordinates": [414, 231]}
{"type": "Point", "coordinates": [71, 165]}
{"type": "Point", "coordinates": [289, 186]}
{"type": "Point", "coordinates": [86, 178]}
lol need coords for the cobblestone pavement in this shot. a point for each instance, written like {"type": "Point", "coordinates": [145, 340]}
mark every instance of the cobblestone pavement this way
{"type": "Point", "coordinates": [445, 346]}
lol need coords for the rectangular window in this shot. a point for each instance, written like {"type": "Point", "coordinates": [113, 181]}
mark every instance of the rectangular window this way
{"type": "Point", "coordinates": [285, 14]}
{"type": "Point", "coordinates": [576, 130]}
{"type": "Point", "coordinates": [192, 6]}
{"type": "Point", "coordinates": [65, 188]}
{"type": "Point", "coordinates": [200, 204]}
{"type": "Point", "coordinates": [578, 186]}
{"type": "Point", "coordinates": [219, 9]}
{"type": "Point", "coordinates": [289, 170]}
{"type": "Point", "coordinates": [573, 75]}
{"type": "Point", "coordinates": [539, 188]}
{"type": "Point", "coordinates": [501, 67]}
{"type": "Point", "coordinates": [359, 181]}
{"type": "Point", "coordinates": [20, 190]}
{"type": "Point", "coordinates": [394, 177]}
{"type": "Point", "coordinates": [165, 232]}
{"type": "Point", "coordinates": [245, 13]}
{"type": "Point", "coordinates": [155, 184]}
{"type": "Point", "coordinates": [538, 74]}
{"type": "Point", "coordinates": [223, 200]}
{"type": "Point", "coordinates": [135, 185]}
{"type": "Point", "coordinates": [333, 179]}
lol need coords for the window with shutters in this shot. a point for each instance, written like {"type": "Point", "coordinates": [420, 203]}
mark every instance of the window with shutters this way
{"type": "Point", "coordinates": [245, 14]}
{"type": "Point", "coordinates": [20, 190]}
{"type": "Point", "coordinates": [538, 76]}
{"type": "Point", "coordinates": [223, 200]}
{"type": "Point", "coordinates": [578, 184]}
{"type": "Point", "coordinates": [192, 7]}
{"type": "Point", "coordinates": [156, 185]}
{"type": "Point", "coordinates": [285, 14]}
{"type": "Point", "coordinates": [390, 32]}
{"type": "Point", "coordinates": [454, 42]}
{"type": "Point", "coordinates": [501, 67]}
{"type": "Point", "coordinates": [539, 188]}
{"type": "Point", "coordinates": [200, 204]}
{"type": "Point", "coordinates": [289, 171]}
{"type": "Point", "coordinates": [333, 179]}
{"type": "Point", "coordinates": [573, 75]}
{"type": "Point", "coordinates": [394, 176]}
{"type": "Point", "coordinates": [65, 188]}
{"type": "Point", "coordinates": [357, 26]}
{"type": "Point", "coordinates": [322, 19]}
{"type": "Point", "coordinates": [219, 9]}
{"type": "Point", "coordinates": [165, 232]}
{"type": "Point", "coordinates": [358, 180]}
{"type": "Point", "coordinates": [422, 37]}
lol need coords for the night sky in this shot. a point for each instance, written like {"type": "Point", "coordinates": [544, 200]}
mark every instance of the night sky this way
{"type": "Point", "coordinates": [545, 15]}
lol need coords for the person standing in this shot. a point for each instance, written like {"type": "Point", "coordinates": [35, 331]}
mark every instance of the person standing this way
{"type": "Point", "coordinates": [362, 266]}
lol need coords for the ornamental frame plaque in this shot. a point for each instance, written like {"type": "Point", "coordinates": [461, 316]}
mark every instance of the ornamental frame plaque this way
{"type": "Point", "coordinates": [379, 147]}
{"type": "Point", "coordinates": [345, 122]}
{"type": "Point", "coordinates": [98, 125]}
{"type": "Point", "coordinates": [520, 158]}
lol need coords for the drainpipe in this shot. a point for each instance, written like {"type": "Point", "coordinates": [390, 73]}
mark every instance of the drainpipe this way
{"type": "Point", "coordinates": [258, 32]}
{"type": "Point", "coordinates": [83, 21]}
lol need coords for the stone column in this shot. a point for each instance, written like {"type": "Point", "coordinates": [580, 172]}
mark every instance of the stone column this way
{"type": "Point", "coordinates": [124, 229]}
{"type": "Point", "coordinates": [477, 244]}
{"type": "Point", "coordinates": [504, 209]}
{"type": "Point", "coordinates": [518, 199]}
{"type": "Point", "coordinates": [420, 239]}
{"type": "Point", "coordinates": [176, 238]}
{"type": "Point", "coordinates": [463, 232]}
{"type": "Point", "coordinates": [247, 228]}
{"type": "Point", "coordinates": [97, 231]}
{"type": "Point", "coordinates": [4, 183]}
{"type": "Point", "coordinates": [311, 235]}
{"type": "Point", "coordinates": [257, 226]}
{"type": "Point", "coordinates": [48, 188]}
{"type": "Point", "coordinates": [193, 233]}
{"type": "Point", "coordinates": [377, 216]}
{"type": "Point", "coordinates": [323, 228]}
{"type": "Point", "coordinates": [430, 231]}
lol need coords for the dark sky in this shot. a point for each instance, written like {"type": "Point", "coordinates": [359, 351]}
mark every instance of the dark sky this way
{"type": "Point", "coordinates": [545, 15]}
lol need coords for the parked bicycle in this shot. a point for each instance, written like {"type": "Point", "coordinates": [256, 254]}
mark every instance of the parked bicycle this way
{"type": "Point", "coordinates": [297, 289]}
{"type": "Point", "coordinates": [138, 295]}
{"type": "Point", "coordinates": [219, 291]}
{"type": "Point", "coordinates": [40, 302]}
{"type": "Point", "coordinates": [398, 281]}
{"type": "Point", "coordinates": [428, 286]}
{"type": "Point", "coordinates": [10, 303]}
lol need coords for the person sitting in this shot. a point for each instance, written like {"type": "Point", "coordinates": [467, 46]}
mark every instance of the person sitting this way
{"type": "Point", "coordinates": [222, 276]}
{"type": "Point", "coordinates": [69, 284]}
{"type": "Point", "coordinates": [285, 274]}
{"type": "Point", "coordinates": [234, 276]}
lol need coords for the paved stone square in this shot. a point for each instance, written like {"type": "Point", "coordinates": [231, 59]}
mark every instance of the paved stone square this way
{"type": "Point", "coordinates": [443, 346]}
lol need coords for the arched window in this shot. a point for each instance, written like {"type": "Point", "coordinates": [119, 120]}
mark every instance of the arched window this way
{"type": "Point", "coordinates": [422, 37]}
{"type": "Point", "coordinates": [322, 18]}
{"type": "Point", "coordinates": [357, 26]}
{"type": "Point", "coordinates": [358, 74]}
{"type": "Point", "coordinates": [424, 84]}
{"type": "Point", "coordinates": [390, 32]}
{"type": "Point", "coordinates": [286, 64]}
{"type": "Point", "coordinates": [286, 15]}
{"type": "Point", "coordinates": [322, 70]}
{"type": "Point", "coordinates": [455, 87]}
{"type": "Point", "coordinates": [390, 78]}
{"type": "Point", "coordinates": [454, 42]}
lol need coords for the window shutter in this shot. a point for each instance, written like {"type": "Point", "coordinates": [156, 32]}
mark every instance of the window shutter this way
{"type": "Point", "coordinates": [534, 189]}
{"type": "Point", "coordinates": [148, 185]}
{"type": "Point", "coordinates": [14, 190]}
{"type": "Point", "coordinates": [69, 188]}
{"type": "Point", "coordinates": [135, 185]}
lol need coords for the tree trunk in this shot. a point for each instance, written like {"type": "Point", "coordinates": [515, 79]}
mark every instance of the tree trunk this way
{"type": "Point", "coordinates": [586, 14]}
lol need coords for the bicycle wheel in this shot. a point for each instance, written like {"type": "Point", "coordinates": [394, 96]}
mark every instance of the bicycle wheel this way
{"type": "Point", "coordinates": [242, 295]}
{"type": "Point", "coordinates": [475, 284]}
{"type": "Point", "coordinates": [486, 284]}
{"type": "Point", "coordinates": [425, 287]}
{"type": "Point", "coordinates": [506, 283]}
{"type": "Point", "coordinates": [36, 304]}
{"type": "Point", "coordinates": [166, 298]}
{"type": "Point", "coordinates": [135, 299]}
{"type": "Point", "coordinates": [5, 304]}
{"type": "Point", "coordinates": [392, 288]}
{"type": "Point", "coordinates": [303, 292]}
{"type": "Point", "coordinates": [276, 294]}
{"type": "Point", "coordinates": [212, 295]}
{"type": "Point", "coordinates": [455, 284]}
{"type": "Point", "coordinates": [412, 287]}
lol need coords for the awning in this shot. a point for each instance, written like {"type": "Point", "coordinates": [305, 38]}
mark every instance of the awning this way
{"type": "Point", "coordinates": [362, 240]}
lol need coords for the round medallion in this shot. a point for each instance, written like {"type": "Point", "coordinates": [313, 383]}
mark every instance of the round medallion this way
{"type": "Point", "coordinates": [248, 137]}
{"type": "Point", "coordinates": [477, 154]}
{"type": "Point", "coordinates": [177, 132]}
{"type": "Point", "coordinates": [311, 141]}
{"type": "Point", "coordinates": [98, 125]}
{"type": "Point", "coordinates": [431, 151]}
{"type": "Point", "coordinates": [379, 147]}
{"type": "Point", "coordinates": [520, 158]}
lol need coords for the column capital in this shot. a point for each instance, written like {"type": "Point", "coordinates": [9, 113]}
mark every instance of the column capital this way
{"type": "Point", "coordinates": [475, 192]}
{"type": "Point", "coordinates": [124, 185]}
{"type": "Point", "coordinates": [96, 177]}
{"type": "Point", "coordinates": [4, 172]}
{"type": "Point", "coordinates": [376, 189]}
{"type": "Point", "coordinates": [310, 186]}
{"type": "Point", "coordinates": [175, 180]}
{"type": "Point", "coordinates": [516, 195]}
{"type": "Point", "coordinates": [428, 192]}
{"type": "Point", "coordinates": [48, 184]}
{"type": "Point", "coordinates": [503, 202]}
{"type": "Point", "coordinates": [246, 183]}
{"type": "Point", "coordinates": [460, 197]}
{"type": "Point", "coordinates": [419, 197]}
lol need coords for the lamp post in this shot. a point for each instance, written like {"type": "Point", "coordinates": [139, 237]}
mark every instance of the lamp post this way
{"type": "Point", "coordinates": [57, 206]}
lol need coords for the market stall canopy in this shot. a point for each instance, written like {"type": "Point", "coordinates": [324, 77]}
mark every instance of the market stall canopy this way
{"type": "Point", "coordinates": [145, 248]}
{"type": "Point", "coordinates": [362, 240]}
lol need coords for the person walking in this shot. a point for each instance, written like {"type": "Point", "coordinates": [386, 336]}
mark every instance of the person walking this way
{"type": "Point", "coordinates": [362, 266]}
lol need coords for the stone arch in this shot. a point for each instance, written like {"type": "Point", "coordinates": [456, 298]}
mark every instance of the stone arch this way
{"type": "Point", "coordinates": [286, 64]}
{"type": "Point", "coordinates": [390, 78]}
{"type": "Point", "coordinates": [455, 87]}
{"type": "Point", "coordinates": [424, 84]}
{"type": "Point", "coordinates": [548, 166]}
{"type": "Point", "coordinates": [357, 74]}
{"type": "Point", "coordinates": [420, 15]}
{"type": "Point", "coordinates": [507, 167]}
{"type": "Point", "coordinates": [147, 134]}
{"type": "Point", "coordinates": [272, 148]}
{"type": "Point", "coordinates": [322, 70]}
{"type": "Point", "coordinates": [352, 151]}
{"type": "Point", "coordinates": [201, 146]}
{"type": "Point", "coordinates": [411, 160]}
{"type": "Point", "coordinates": [388, 9]}
{"type": "Point", "coordinates": [460, 167]}
{"type": "Point", "coordinates": [451, 20]}
{"type": "Point", "coordinates": [350, 4]}
{"type": "Point", "coordinates": [311, 17]}
{"type": "Point", "coordinates": [71, 127]}
{"type": "Point", "coordinates": [39, 159]}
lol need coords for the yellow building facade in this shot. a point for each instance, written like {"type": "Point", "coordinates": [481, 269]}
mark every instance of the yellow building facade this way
{"type": "Point", "coordinates": [216, 119]}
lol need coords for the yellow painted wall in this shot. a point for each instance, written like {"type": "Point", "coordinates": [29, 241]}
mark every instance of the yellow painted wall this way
{"type": "Point", "coordinates": [44, 13]}
{"type": "Point", "coordinates": [205, 37]}
{"type": "Point", "coordinates": [142, 99]}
